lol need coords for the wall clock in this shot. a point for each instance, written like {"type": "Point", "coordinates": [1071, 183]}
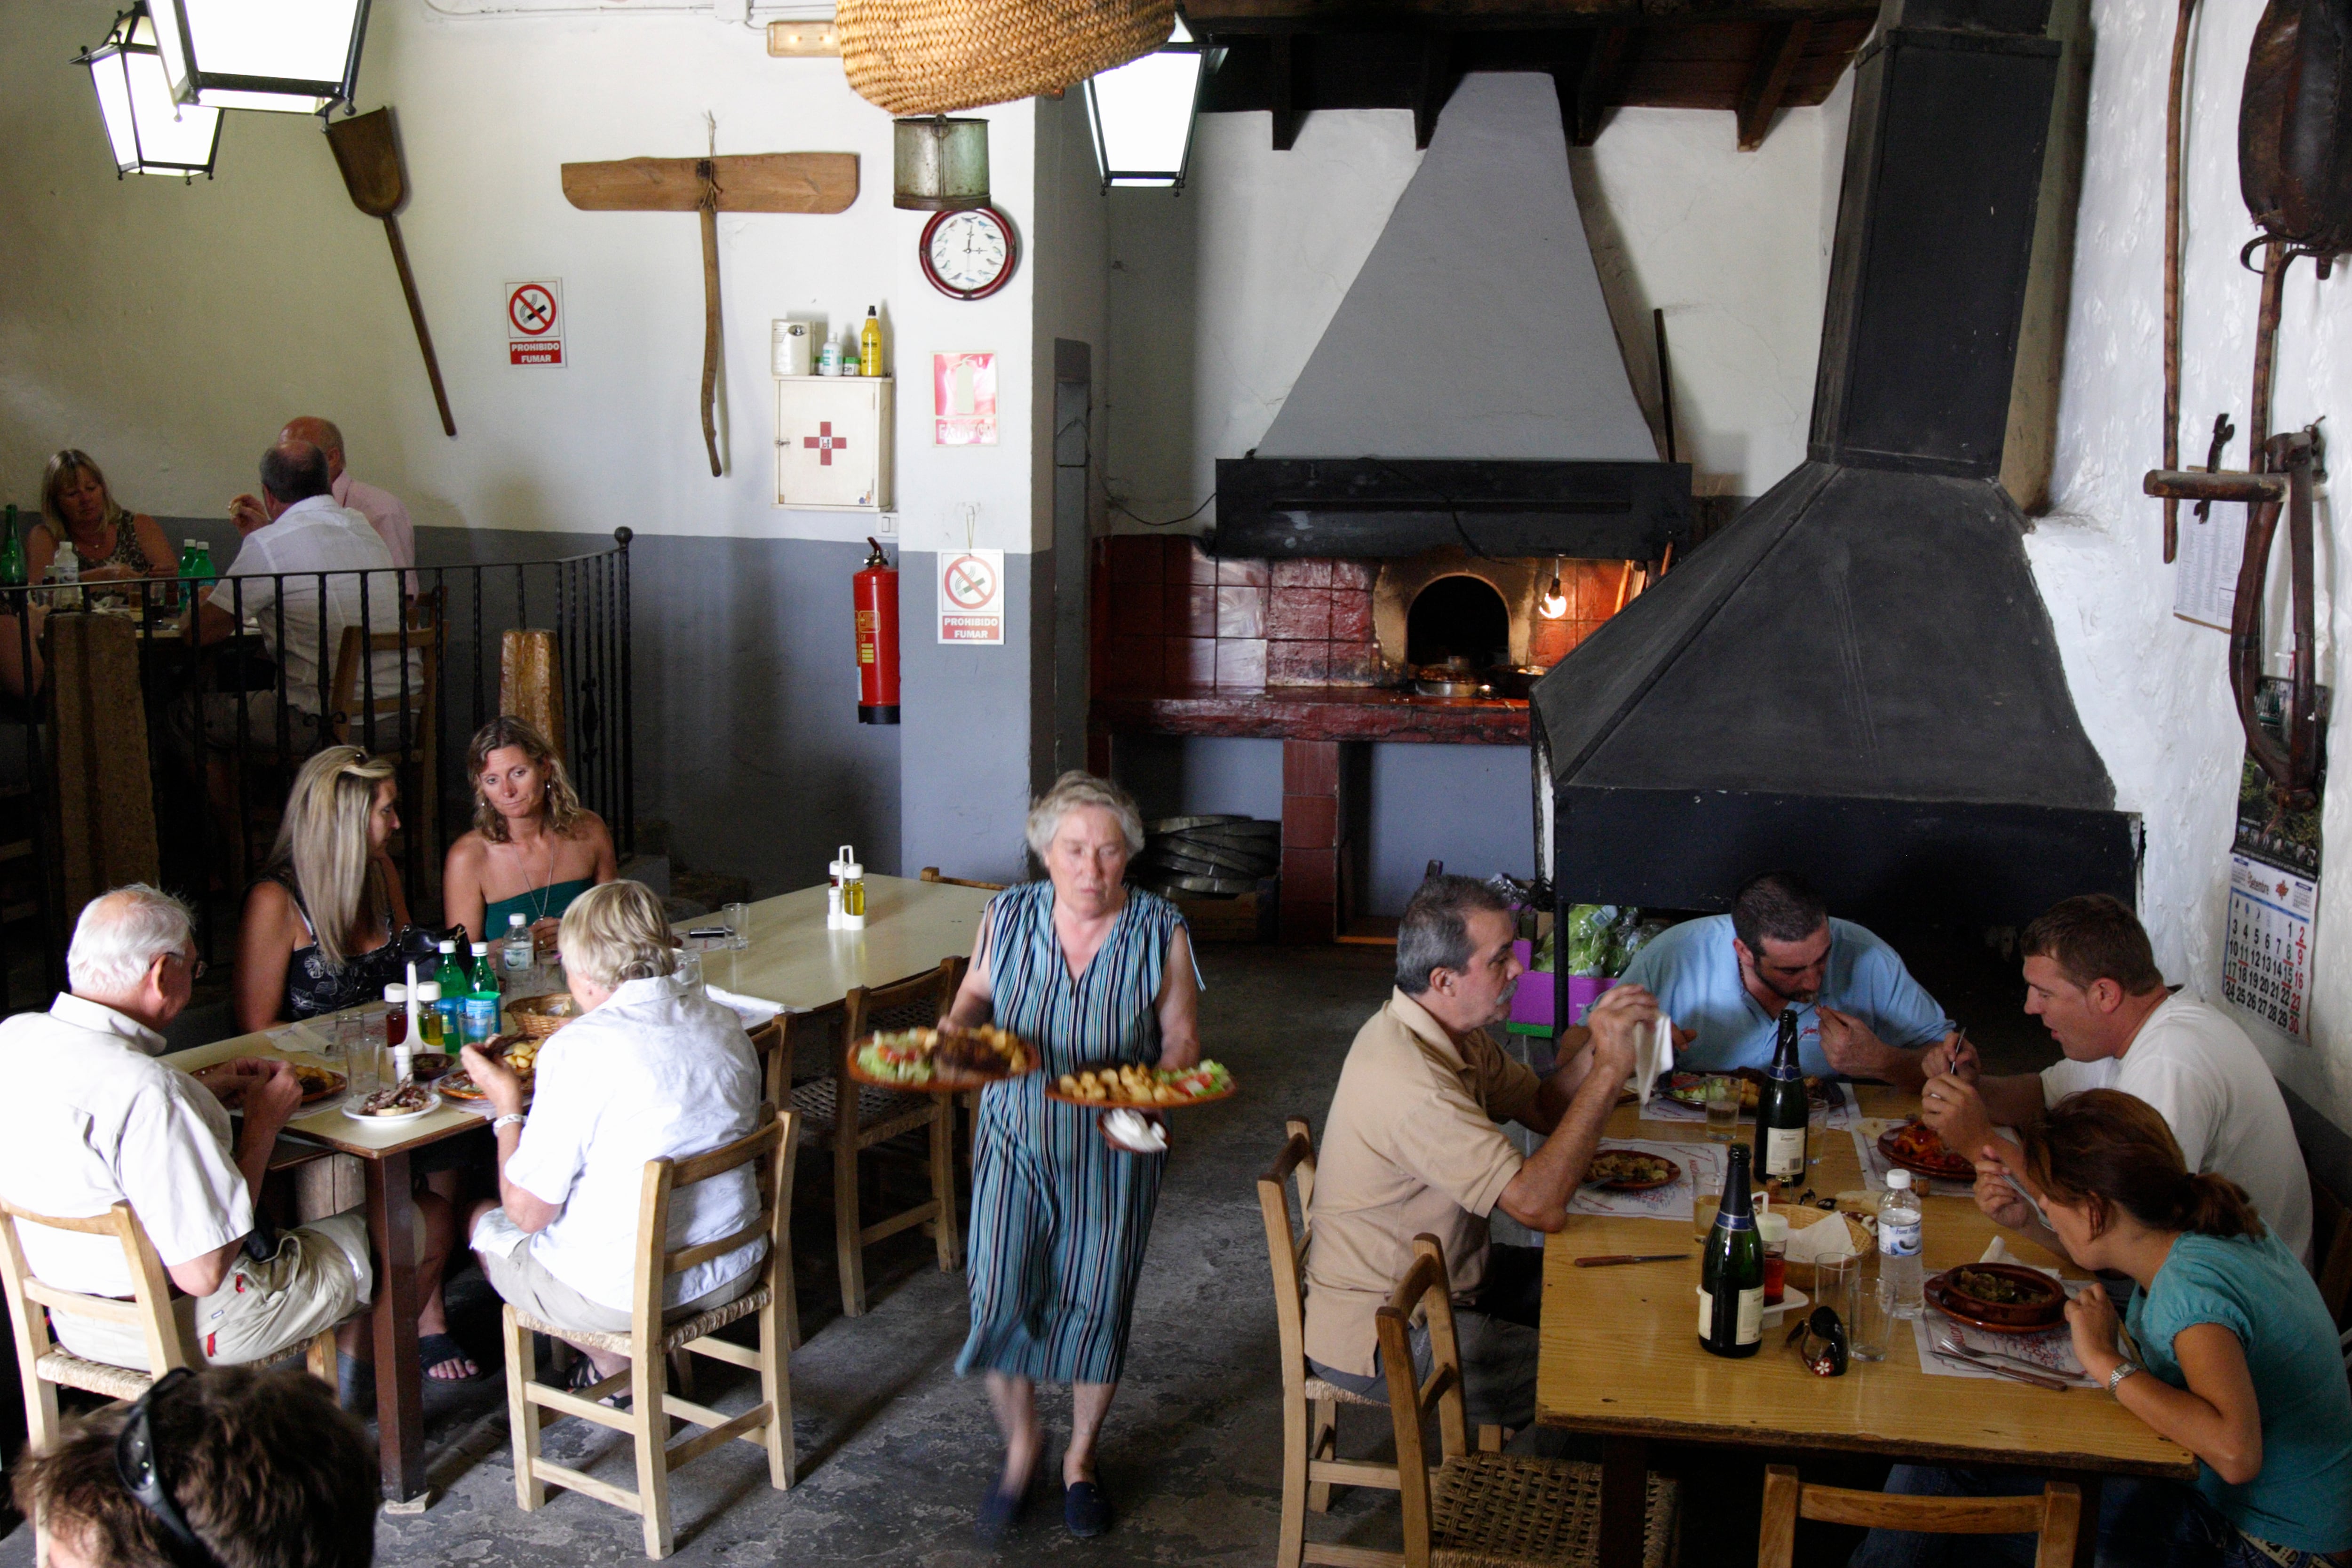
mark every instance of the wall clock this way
{"type": "Point", "coordinates": [969, 253]}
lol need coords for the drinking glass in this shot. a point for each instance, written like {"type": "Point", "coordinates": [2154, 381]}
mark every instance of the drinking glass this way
{"type": "Point", "coordinates": [337, 1038]}
{"type": "Point", "coordinates": [1722, 1108]}
{"type": "Point", "coordinates": [738, 925]}
{"type": "Point", "coordinates": [364, 1069]}
{"type": "Point", "coordinates": [689, 968]}
{"type": "Point", "coordinates": [375, 1032]}
{"type": "Point", "coordinates": [1868, 1306]}
{"type": "Point", "coordinates": [1706, 1196]}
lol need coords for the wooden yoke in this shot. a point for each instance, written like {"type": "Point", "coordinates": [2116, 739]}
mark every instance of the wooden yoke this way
{"type": "Point", "coordinates": [753, 183]}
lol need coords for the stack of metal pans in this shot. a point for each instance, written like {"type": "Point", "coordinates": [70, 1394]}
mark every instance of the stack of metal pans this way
{"type": "Point", "coordinates": [1218, 857]}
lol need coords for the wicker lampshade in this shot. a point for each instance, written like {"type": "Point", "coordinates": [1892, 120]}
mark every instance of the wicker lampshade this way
{"type": "Point", "coordinates": [935, 57]}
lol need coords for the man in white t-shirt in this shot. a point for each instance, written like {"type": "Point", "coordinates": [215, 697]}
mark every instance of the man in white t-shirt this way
{"type": "Point", "coordinates": [651, 1069]}
{"type": "Point", "coordinates": [2091, 978]}
{"type": "Point", "coordinates": [92, 1120]}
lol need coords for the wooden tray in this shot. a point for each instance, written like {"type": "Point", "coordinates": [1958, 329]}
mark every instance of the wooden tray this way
{"type": "Point", "coordinates": [1954, 1169]}
{"type": "Point", "coordinates": [1673, 1173]}
{"type": "Point", "coordinates": [1054, 1091]}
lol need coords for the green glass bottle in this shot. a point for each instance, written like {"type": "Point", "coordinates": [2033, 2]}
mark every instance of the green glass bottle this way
{"type": "Point", "coordinates": [12, 556]}
{"type": "Point", "coordinates": [1731, 1278]}
{"type": "Point", "coordinates": [1782, 1112]}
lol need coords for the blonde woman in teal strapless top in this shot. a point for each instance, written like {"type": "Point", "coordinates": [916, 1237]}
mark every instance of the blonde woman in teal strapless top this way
{"type": "Point", "coordinates": [534, 847]}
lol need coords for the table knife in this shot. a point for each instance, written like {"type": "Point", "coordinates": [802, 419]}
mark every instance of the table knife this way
{"type": "Point", "coordinates": [2036, 1379]}
{"type": "Point", "coordinates": [1611, 1259]}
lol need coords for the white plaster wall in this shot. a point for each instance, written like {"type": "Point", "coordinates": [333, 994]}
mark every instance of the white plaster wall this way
{"type": "Point", "coordinates": [2151, 689]}
{"type": "Point", "coordinates": [170, 329]}
{"type": "Point", "coordinates": [1219, 294]}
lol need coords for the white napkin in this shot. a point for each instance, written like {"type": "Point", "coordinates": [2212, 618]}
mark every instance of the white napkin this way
{"type": "Point", "coordinates": [753, 1011]}
{"type": "Point", "coordinates": [1653, 1054]}
{"type": "Point", "coordinates": [1997, 1251]}
{"type": "Point", "coordinates": [1829, 1237]}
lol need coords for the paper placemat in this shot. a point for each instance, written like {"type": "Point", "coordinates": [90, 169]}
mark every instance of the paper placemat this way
{"type": "Point", "coordinates": [1663, 1106]}
{"type": "Point", "coordinates": [1868, 1131]}
{"type": "Point", "coordinates": [1699, 1164]}
{"type": "Point", "coordinates": [2052, 1349]}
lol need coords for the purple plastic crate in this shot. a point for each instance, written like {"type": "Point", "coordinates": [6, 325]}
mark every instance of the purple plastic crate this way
{"type": "Point", "coordinates": [1532, 1004]}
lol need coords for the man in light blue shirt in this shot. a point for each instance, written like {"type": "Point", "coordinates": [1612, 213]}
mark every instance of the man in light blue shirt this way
{"type": "Point", "coordinates": [1727, 978]}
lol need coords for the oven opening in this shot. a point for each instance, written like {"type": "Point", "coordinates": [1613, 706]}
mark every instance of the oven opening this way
{"type": "Point", "coordinates": [1458, 619]}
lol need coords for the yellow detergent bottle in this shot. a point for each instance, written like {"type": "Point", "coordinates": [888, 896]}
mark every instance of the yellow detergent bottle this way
{"type": "Point", "coordinates": [869, 344]}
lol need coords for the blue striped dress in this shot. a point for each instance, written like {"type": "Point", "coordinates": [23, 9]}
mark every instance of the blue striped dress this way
{"type": "Point", "coordinates": [1058, 1220]}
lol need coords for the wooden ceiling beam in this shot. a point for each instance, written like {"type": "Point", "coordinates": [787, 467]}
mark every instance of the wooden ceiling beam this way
{"type": "Point", "coordinates": [1433, 86]}
{"type": "Point", "coordinates": [1209, 17]}
{"type": "Point", "coordinates": [1768, 79]}
{"type": "Point", "coordinates": [1598, 84]}
{"type": "Point", "coordinates": [1285, 48]}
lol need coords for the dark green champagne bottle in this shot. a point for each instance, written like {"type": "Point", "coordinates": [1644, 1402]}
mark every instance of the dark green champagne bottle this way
{"type": "Point", "coordinates": [12, 556]}
{"type": "Point", "coordinates": [1781, 1113]}
{"type": "Point", "coordinates": [1731, 1279]}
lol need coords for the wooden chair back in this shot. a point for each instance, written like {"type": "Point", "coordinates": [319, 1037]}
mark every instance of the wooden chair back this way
{"type": "Point", "coordinates": [2054, 1516]}
{"type": "Point", "coordinates": [771, 1044]}
{"type": "Point", "coordinates": [931, 874]}
{"type": "Point", "coordinates": [2331, 1247]}
{"type": "Point", "coordinates": [768, 1148]}
{"type": "Point", "coordinates": [403, 720]}
{"type": "Point", "coordinates": [916, 1003]}
{"type": "Point", "coordinates": [1427, 1288]}
{"type": "Point", "coordinates": [1285, 1245]}
{"type": "Point", "coordinates": [149, 1308]}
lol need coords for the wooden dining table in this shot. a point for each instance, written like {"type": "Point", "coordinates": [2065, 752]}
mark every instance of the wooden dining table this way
{"type": "Point", "coordinates": [1618, 1357]}
{"type": "Point", "coordinates": [792, 959]}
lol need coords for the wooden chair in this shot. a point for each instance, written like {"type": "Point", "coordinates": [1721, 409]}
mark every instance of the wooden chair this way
{"type": "Point", "coordinates": [1310, 1407]}
{"type": "Point", "coordinates": [45, 1368]}
{"type": "Point", "coordinates": [2331, 1248]}
{"type": "Point", "coordinates": [408, 728]}
{"type": "Point", "coordinates": [931, 874]}
{"type": "Point", "coordinates": [2054, 1516]}
{"type": "Point", "coordinates": [848, 1117]}
{"type": "Point", "coordinates": [650, 1341]}
{"type": "Point", "coordinates": [1476, 1509]}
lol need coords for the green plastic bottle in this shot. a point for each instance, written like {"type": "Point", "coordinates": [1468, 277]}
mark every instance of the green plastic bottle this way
{"type": "Point", "coordinates": [12, 556]}
{"type": "Point", "coordinates": [454, 981]}
{"type": "Point", "coordinates": [482, 1004]}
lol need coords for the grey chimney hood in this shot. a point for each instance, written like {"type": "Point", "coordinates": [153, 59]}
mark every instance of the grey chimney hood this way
{"type": "Point", "coordinates": [1858, 679]}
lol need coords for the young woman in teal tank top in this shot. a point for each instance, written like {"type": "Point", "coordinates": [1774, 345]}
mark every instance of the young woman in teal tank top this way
{"type": "Point", "coordinates": [534, 847]}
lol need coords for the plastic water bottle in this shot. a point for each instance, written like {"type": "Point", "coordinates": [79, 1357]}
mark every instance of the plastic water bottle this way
{"type": "Point", "coordinates": [1900, 1233]}
{"type": "Point", "coordinates": [67, 569]}
{"type": "Point", "coordinates": [519, 957]}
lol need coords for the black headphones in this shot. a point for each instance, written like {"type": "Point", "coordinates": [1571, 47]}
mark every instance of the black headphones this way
{"type": "Point", "coordinates": [135, 1465]}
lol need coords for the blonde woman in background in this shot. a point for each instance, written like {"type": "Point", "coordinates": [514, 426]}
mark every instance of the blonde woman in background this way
{"type": "Point", "coordinates": [112, 543]}
{"type": "Point", "coordinates": [534, 847]}
{"type": "Point", "coordinates": [319, 928]}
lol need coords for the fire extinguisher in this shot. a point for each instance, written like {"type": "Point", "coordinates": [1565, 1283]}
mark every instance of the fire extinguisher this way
{"type": "Point", "coordinates": [875, 596]}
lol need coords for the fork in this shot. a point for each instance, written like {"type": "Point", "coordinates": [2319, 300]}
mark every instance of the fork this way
{"type": "Point", "coordinates": [1951, 1349]}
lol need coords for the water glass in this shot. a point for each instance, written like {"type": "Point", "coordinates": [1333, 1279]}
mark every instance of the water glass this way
{"type": "Point", "coordinates": [364, 1069]}
{"type": "Point", "coordinates": [375, 1032]}
{"type": "Point", "coordinates": [689, 968]}
{"type": "Point", "coordinates": [738, 925]}
{"type": "Point", "coordinates": [1722, 1108]}
{"type": "Point", "coordinates": [1706, 1196]}
{"type": "Point", "coordinates": [1864, 1300]}
{"type": "Point", "coordinates": [338, 1037]}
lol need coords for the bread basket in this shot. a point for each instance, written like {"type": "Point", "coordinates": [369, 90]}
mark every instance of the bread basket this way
{"type": "Point", "coordinates": [540, 1016]}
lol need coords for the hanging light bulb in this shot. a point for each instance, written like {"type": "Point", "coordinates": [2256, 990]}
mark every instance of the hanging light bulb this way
{"type": "Point", "coordinates": [1554, 605]}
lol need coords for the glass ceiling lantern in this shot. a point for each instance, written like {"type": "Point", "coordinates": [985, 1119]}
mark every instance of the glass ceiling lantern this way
{"type": "Point", "coordinates": [1143, 113]}
{"type": "Point", "coordinates": [939, 165]}
{"type": "Point", "coordinates": [150, 133]}
{"type": "Point", "coordinates": [297, 56]}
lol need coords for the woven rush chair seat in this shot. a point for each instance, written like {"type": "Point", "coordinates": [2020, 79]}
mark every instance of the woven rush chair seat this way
{"type": "Point", "coordinates": [877, 1109]}
{"type": "Point", "coordinates": [677, 1336]}
{"type": "Point", "coordinates": [1500, 1510]}
{"type": "Point", "coordinates": [1317, 1389]}
{"type": "Point", "coordinates": [95, 1376]}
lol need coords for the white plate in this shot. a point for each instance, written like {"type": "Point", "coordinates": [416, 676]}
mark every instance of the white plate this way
{"type": "Point", "coordinates": [432, 1104]}
{"type": "Point", "coordinates": [1792, 1299]}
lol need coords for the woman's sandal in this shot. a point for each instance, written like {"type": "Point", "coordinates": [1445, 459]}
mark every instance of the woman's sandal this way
{"type": "Point", "coordinates": [584, 1377]}
{"type": "Point", "coordinates": [439, 1350]}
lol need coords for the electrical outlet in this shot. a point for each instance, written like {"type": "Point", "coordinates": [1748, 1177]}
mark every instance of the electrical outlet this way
{"type": "Point", "coordinates": [887, 524]}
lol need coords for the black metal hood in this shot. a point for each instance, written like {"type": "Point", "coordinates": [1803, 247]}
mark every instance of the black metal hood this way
{"type": "Point", "coordinates": [1858, 679]}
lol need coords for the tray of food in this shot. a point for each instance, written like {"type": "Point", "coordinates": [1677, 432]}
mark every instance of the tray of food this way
{"type": "Point", "coordinates": [1690, 1089]}
{"type": "Point", "coordinates": [318, 1083]}
{"type": "Point", "coordinates": [1629, 1170]}
{"type": "Point", "coordinates": [2003, 1298]}
{"type": "Point", "coordinates": [404, 1102]}
{"type": "Point", "coordinates": [1916, 1148]}
{"type": "Point", "coordinates": [426, 1066]}
{"type": "Point", "coordinates": [521, 1054]}
{"type": "Point", "coordinates": [1135, 1087]}
{"type": "Point", "coordinates": [942, 1060]}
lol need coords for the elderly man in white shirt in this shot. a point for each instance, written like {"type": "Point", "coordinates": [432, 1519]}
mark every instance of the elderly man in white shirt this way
{"type": "Point", "coordinates": [93, 1120]}
{"type": "Point", "coordinates": [651, 1069]}
{"type": "Point", "coordinates": [382, 509]}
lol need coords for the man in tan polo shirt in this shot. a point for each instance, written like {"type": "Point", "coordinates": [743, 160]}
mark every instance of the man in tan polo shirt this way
{"type": "Point", "coordinates": [1414, 1143]}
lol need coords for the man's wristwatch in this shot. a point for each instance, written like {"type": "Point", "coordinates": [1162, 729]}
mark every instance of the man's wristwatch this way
{"type": "Point", "coordinates": [2123, 1370]}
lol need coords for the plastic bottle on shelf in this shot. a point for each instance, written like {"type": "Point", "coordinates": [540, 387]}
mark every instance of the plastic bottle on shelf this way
{"type": "Point", "coordinates": [1901, 1234]}
{"type": "Point", "coordinates": [869, 344]}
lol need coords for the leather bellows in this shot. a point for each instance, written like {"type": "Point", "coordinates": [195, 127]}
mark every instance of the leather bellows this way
{"type": "Point", "coordinates": [2294, 125]}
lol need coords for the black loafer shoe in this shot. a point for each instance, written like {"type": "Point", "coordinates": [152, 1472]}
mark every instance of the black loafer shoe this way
{"type": "Point", "coordinates": [1084, 1510]}
{"type": "Point", "coordinates": [998, 1509]}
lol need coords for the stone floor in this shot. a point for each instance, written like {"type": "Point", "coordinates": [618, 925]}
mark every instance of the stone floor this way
{"type": "Point", "coordinates": [895, 1449]}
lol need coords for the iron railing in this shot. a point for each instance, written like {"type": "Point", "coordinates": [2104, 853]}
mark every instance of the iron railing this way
{"type": "Point", "coordinates": [227, 725]}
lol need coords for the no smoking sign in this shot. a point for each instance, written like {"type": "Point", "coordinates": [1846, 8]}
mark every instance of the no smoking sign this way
{"type": "Point", "coordinates": [972, 596]}
{"type": "Point", "coordinates": [534, 311]}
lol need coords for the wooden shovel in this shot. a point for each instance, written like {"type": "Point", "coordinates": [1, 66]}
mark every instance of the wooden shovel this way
{"type": "Point", "coordinates": [754, 183]}
{"type": "Point", "coordinates": [370, 161]}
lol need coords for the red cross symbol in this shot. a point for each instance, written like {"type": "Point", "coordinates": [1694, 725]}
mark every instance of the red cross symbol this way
{"type": "Point", "coordinates": [825, 443]}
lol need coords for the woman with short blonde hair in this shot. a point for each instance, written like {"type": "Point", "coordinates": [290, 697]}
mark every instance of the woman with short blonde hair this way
{"type": "Point", "coordinates": [618, 933]}
{"type": "Point", "coordinates": [534, 847]}
{"type": "Point", "coordinates": [321, 928]}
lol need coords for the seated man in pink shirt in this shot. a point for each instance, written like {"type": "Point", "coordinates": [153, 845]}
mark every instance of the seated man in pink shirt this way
{"type": "Point", "coordinates": [382, 509]}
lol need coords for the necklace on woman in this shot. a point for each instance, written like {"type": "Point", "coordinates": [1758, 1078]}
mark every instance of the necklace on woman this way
{"type": "Point", "coordinates": [547, 888]}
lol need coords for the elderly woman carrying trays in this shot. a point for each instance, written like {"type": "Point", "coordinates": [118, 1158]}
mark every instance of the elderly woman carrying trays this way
{"type": "Point", "coordinates": [651, 1069]}
{"type": "Point", "coordinates": [1086, 970]}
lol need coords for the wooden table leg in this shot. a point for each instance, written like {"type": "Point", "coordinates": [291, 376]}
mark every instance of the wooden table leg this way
{"type": "Point", "coordinates": [1624, 1500]}
{"type": "Point", "coordinates": [399, 1380]}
